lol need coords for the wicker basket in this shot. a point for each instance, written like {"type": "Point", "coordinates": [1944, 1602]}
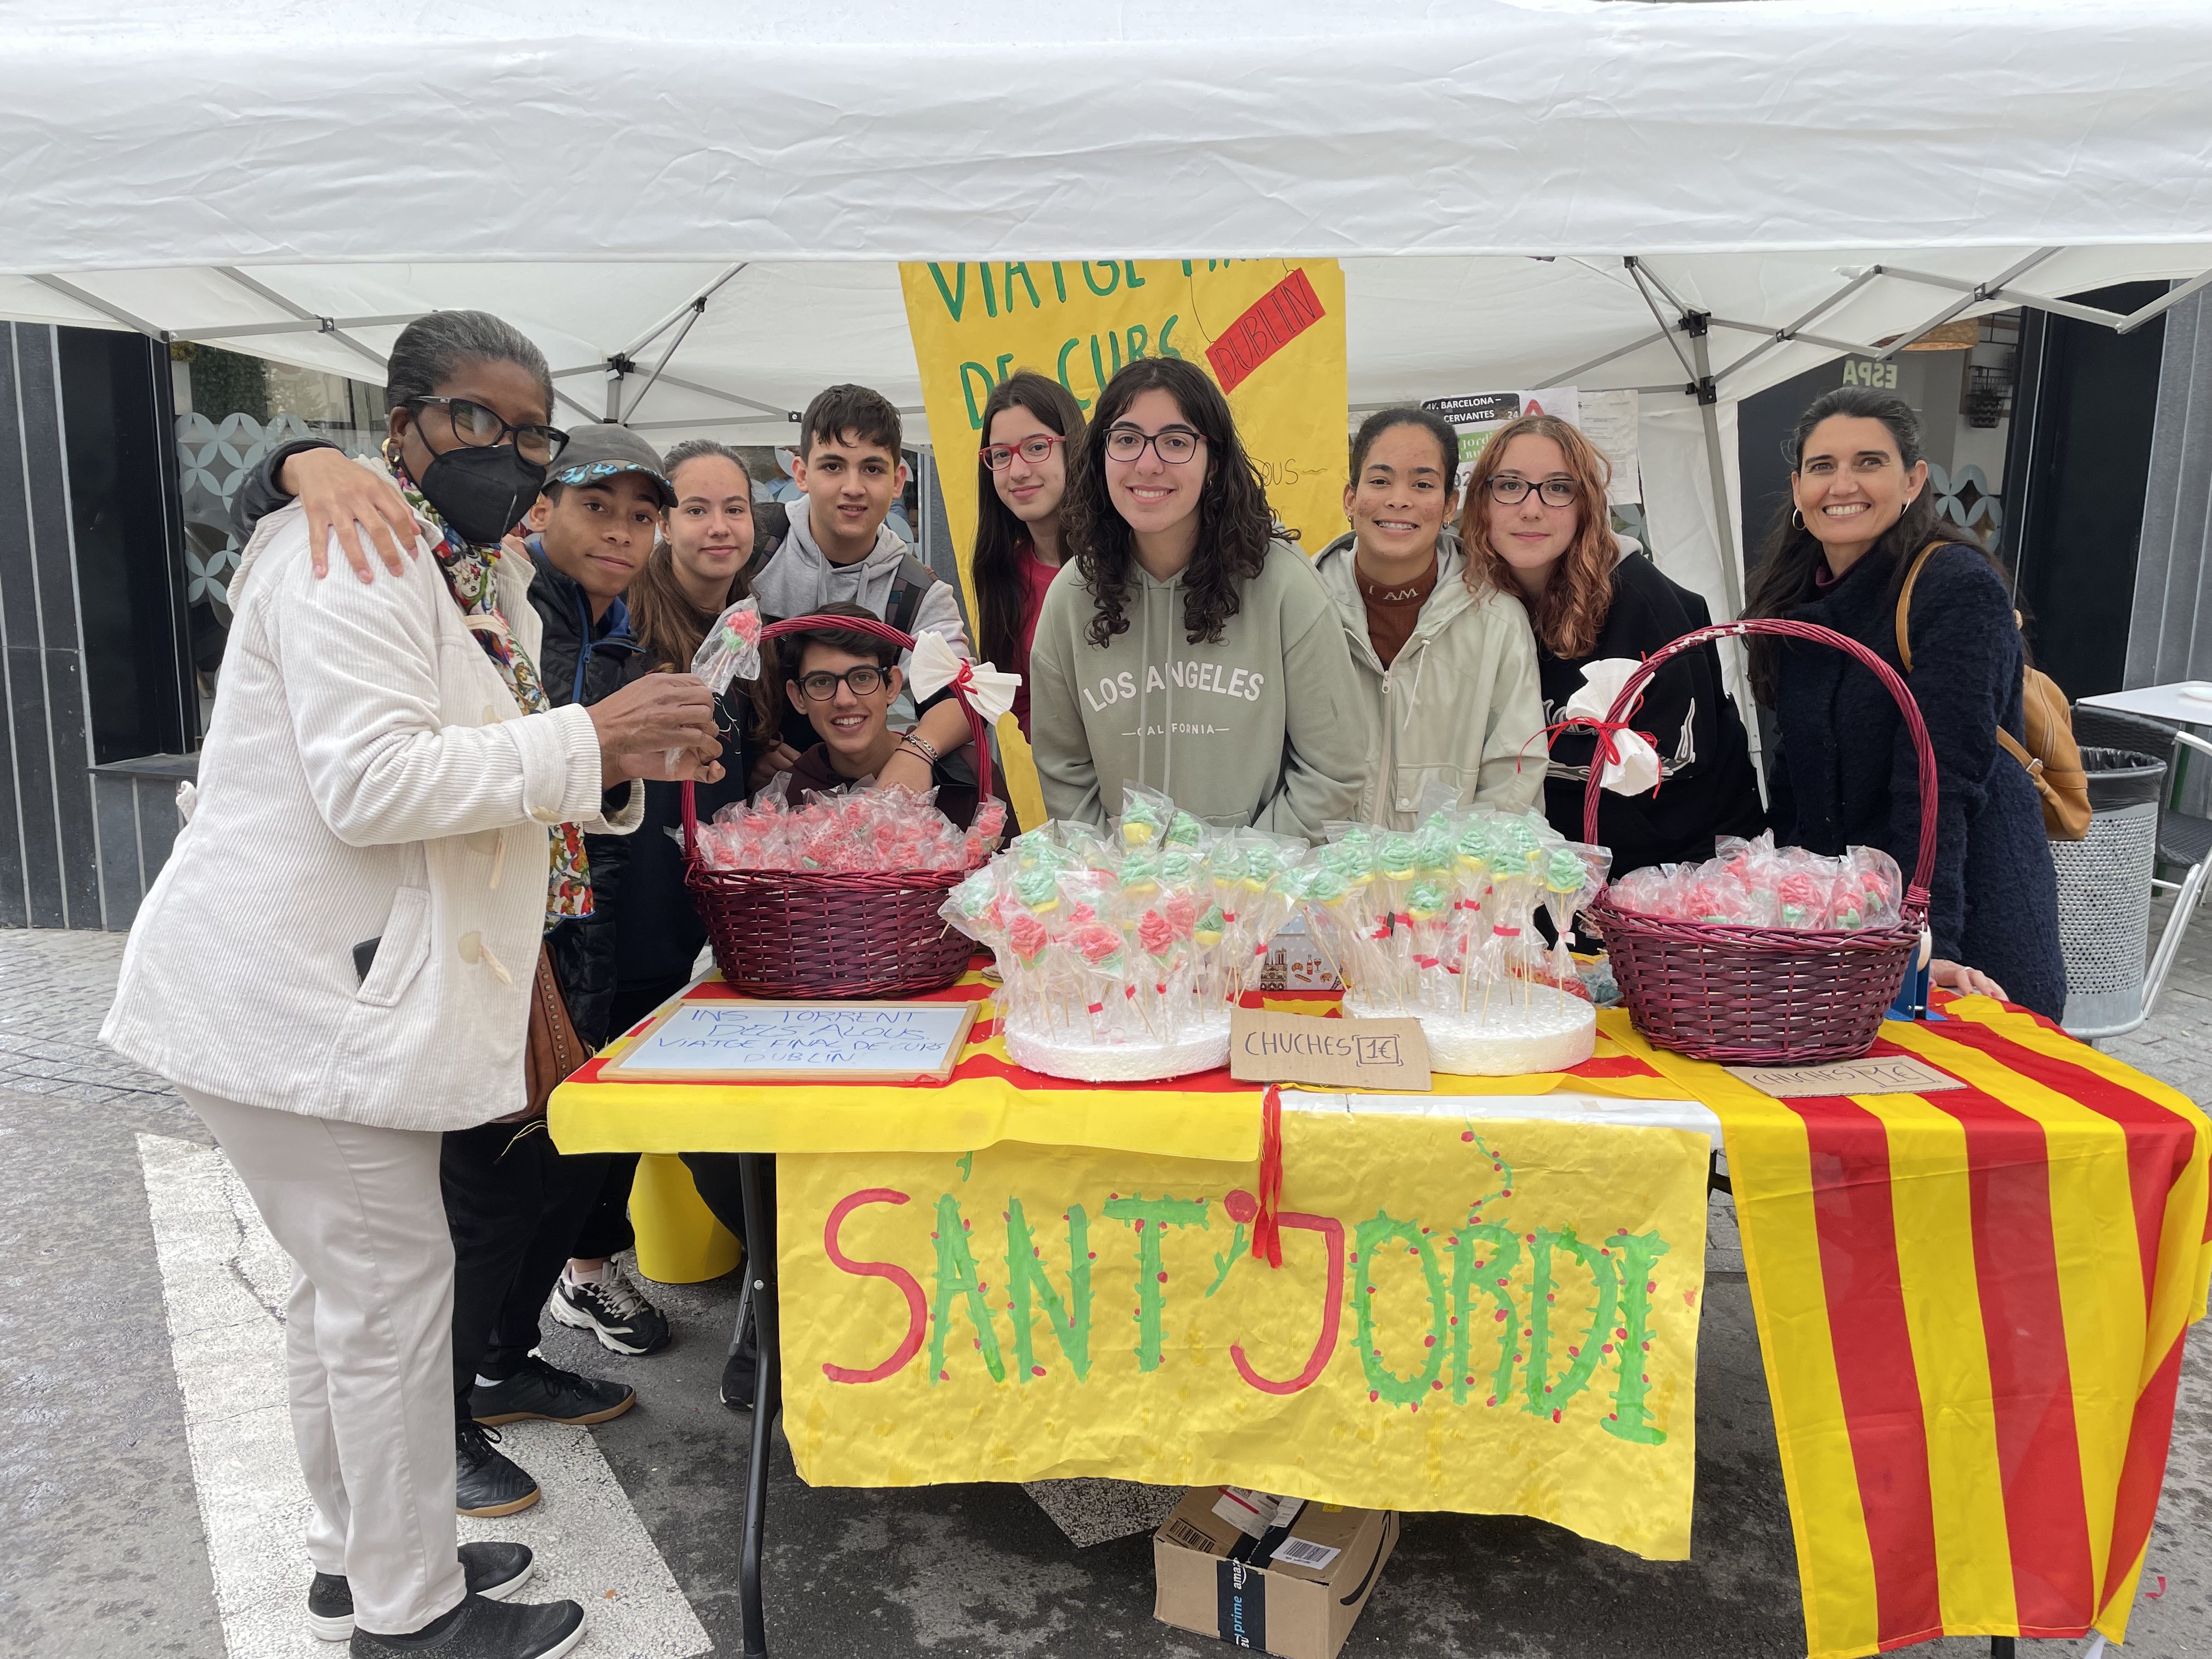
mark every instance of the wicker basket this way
{"type": "Point", "coordinates": [1764, 995]}
{"type": "Point", "coordinates": [796, 933]}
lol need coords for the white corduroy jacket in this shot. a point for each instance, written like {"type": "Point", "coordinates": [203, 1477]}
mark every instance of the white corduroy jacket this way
{"type": "Point", "coordinates": [367, 775]}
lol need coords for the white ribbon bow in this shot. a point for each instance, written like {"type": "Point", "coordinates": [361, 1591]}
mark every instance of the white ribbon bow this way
{"type": "Point", "coordinates": [1637, 769]}
{"type": "Point", "coordinates": [935, 665]}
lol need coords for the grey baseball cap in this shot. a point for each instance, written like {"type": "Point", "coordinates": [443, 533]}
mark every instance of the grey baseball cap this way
{"type": "Point", "coordinates": [601, 449]}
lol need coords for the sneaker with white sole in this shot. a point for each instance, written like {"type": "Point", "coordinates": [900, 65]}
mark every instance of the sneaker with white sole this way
{"type": "Point", "coordinates": [479, 1629]}
{"type": "Point", "coordinates": [614, 1310]}
{"type": "Point", "coordinates": [495, 1571]}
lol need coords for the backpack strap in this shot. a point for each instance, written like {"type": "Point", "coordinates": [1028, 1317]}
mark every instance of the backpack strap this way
{"type": "Point", "coordinates": [2011, 744]}
{"type": "Point", "coordinates": [908, 585]}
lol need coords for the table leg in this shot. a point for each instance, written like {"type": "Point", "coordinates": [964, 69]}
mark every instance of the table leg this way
{"type": "Point", "coordinates": [768, 1397]}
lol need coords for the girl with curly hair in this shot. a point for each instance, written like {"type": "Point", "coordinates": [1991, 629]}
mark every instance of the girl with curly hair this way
{"type": "Point", "coordinates": [1535, 525]}
{"type": "Point", "coordinates": [1194, 651]}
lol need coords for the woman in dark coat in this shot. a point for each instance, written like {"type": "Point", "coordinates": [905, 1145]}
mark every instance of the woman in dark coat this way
{"type": "Point", "coordinates": [1845, 772]}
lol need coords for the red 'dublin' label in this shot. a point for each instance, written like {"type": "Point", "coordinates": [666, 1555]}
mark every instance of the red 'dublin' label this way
{"type": "Point", "coordinates": [1272, 322]}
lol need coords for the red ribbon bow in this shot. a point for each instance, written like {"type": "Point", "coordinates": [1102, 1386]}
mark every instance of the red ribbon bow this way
{"type": "Point", "coordinates": [1608, 739]}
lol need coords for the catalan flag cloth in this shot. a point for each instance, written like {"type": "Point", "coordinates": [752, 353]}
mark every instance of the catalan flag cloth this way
{"type": "Point", "coordinates": [1971, 1303]}
{"type": "Point", "coordinates": [1974, 1409]}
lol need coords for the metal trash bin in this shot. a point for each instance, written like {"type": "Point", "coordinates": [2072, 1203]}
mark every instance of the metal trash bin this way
{"type": "Point", "coordinates": [2104, 893]}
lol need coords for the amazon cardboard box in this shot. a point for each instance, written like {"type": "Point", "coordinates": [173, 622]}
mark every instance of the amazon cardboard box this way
{"type": "Point", "coordinates": [1277, 1575]}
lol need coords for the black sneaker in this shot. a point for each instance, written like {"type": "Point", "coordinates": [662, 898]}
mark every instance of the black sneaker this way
{"type": "Point", "coordinates": [612, 1308]}
{"type": "Point", "coordinates": [741, 1376]}
{"type": "Point", "coordinates": [495, 1571]}
{"type": "Point", "coordinates": [478, 1629]}
{"type": "Point", "coordinates": [488, 1483]}
{"type": "Point", "coordinates": [542, 1393]}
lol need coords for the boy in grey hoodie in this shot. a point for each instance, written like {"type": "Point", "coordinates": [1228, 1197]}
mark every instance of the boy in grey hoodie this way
{"type": "Point", "coordinates": [838, 548]}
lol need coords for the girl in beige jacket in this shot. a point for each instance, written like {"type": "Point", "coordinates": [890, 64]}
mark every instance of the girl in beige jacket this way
{"type": "Point", "coordinates": [1452, 711]}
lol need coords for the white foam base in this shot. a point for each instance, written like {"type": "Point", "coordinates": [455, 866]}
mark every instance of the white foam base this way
{"type": "Point", "coordinates": [1554, 1030]}
{"type": "Point", "coordinates": [1203, 1045]}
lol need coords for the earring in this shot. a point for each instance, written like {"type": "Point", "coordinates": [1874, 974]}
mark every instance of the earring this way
{"type": "Point", "coordinates": [1797, 519]}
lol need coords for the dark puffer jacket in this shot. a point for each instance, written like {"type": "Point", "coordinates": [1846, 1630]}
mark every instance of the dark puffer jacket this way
{"type": "Point", "coordinates": [582, 661]}
{"type": "Point", "coordinates": [1845, 772]}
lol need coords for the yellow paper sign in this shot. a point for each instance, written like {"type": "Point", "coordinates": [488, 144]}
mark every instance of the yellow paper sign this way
{"type": "Point", "coordinates": [1493, 1318]}
{"type": "Point", "coordinates": [1270, 332]}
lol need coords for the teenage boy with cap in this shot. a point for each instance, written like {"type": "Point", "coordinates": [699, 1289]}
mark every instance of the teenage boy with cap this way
{"type": "Point", "coordinates": [849, 470]}
{"type": "Point", "coordinates": [516, 1207]}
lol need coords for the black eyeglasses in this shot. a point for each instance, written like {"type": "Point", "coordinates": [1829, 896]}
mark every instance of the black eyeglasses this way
{"type": "Point", "coordinates": [822, 686]}
{"type": "Point", "coordinates": [482, 428]}
{"type": "Point", "coordinates": [1034, 449]}
{"type": "Point", "coordinates": [1175, 444]}
{"type": "Point", "coordinates": [1508, 491]}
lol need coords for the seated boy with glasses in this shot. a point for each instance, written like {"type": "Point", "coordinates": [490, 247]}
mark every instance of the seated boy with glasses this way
{"type": "Point", "coordinates": [843, 682]}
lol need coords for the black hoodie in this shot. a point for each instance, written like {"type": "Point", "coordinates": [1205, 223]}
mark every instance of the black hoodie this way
{"type": "Point", "coordinates": [1707, 787]}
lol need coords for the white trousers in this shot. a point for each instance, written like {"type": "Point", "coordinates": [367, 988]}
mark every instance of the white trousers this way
{"type": "Point", "coordinates": [368, 1344]}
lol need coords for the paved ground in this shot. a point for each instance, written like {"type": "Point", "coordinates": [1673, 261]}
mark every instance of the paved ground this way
{"type": "Point", "coordinates": [107, 1549]}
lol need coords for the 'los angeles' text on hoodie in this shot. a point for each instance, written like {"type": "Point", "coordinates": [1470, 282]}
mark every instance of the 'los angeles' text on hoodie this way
{"type": "Point", "coordinates": [1263, 728]}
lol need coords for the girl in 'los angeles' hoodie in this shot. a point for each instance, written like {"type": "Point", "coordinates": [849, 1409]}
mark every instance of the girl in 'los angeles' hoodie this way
{"type": "Point", "coordinates": [1191, 652]}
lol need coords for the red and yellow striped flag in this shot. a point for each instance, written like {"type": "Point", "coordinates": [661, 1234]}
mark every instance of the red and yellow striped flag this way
{"type": "Point", "coordinates": [1971, 1305]}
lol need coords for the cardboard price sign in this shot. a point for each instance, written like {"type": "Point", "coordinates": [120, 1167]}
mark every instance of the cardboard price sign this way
{"type": "Point", "coordinates": [1883, 1074]}
{"type": "Point", "coordinates": [1266, 1047]}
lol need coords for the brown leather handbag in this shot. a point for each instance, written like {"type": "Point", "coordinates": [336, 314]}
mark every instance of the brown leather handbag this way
{"type": "Point", "coordinates": [552, 1050]}
{"type": "Point", "coordinates": [2050, 756]}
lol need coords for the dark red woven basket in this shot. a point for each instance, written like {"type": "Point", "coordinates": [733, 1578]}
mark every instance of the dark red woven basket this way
{"type": "Point", "coordinates": [797, 934]}
{"type": "Point", "coordinates": [1764, 995]}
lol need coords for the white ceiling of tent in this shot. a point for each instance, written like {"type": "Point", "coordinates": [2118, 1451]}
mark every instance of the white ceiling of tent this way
{"type": "Point", "coordinates": [774, 334]}
{"type": "Point", "coordinates": [162, 133]}
{"type": "Point", "coordinates": [585, 167]}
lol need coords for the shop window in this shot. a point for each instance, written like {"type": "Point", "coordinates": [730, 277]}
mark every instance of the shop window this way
{"type": "Point", "coordinates": [232, 409]}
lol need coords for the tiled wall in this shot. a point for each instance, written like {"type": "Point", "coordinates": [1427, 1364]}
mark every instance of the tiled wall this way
{"type": "Point", "coordinates": [75, 850]}
{"type": "Point", "coordinates": [49, 837]}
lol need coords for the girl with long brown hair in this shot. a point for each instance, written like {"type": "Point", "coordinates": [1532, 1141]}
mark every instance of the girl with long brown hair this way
{"type": "Point", "coordinates": [1534, 524]}
{"type": "Point", "coordinates": [1192, 650]}
{"type": "Point", "coordinates": [1032, 432]}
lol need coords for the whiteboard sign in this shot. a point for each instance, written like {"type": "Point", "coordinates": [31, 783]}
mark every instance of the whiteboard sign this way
{"type": "Point", "coordinates": [798, 1042]}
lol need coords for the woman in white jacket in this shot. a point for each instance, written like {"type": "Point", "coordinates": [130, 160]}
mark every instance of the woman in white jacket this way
{"type": "Point", "coordinates": [334, 966]}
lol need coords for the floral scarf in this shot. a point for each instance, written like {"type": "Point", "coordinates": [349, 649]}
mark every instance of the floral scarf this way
{"type": "Point", "coordinates": [471, 576]}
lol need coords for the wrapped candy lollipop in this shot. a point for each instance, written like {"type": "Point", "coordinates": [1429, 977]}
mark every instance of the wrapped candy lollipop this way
{"type": "Point", "coordinates": [1146, 816]}
{"type": "Point", "coordinates": [1141, 873]}
{"type": "Point", "coordinates": [1097, 946]}
{"type": "Point", "coordinates": [1880, 885]}
{"type": "Point", "coordinates": [1651, 891]}
{"type": "Point", "coordinates": [1428, 924]}
{"type": "Point", "coordinates": [730, 652]}
{"type": "Point", "coordinates": [1395, 858]}
{"type": "Point", "coordinates": [1157, 937]}
{"type": "Point", "coordinates": [1806, 896]}
{"type": "Point", "coordinates": [981, 838]}
{"type": "Point", "coordinates": [1573, 873]}
{"type": "Point", "coordinates": [1186, 831]}
{"type": "Point", "coordinates": [1516, 863]}
{"type": "Point", "coordinates": [1474, 871]}
{"type": "Point", "coordinates": [1362, 952]}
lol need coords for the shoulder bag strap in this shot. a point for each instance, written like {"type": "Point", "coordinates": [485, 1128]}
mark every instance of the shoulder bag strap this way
{"type": "Point", "coordinates": [2010, 743]}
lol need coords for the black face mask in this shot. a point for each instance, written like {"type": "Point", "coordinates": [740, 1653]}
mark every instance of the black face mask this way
{"type": "Point", "coordinates": [481, 493]}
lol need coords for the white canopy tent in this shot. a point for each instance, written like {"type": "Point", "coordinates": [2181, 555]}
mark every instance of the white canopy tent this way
{"type": "Point", "coordinates": [696, 212]}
